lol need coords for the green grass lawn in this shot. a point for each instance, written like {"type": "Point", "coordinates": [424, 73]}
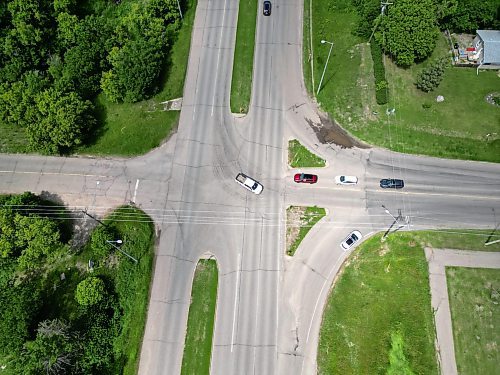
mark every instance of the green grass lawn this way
{"type": "Point", "coordinates": [130, 129]}
{"type": "Point", "coordinates": [309, 217]}
{"type": "Point", "coordinates": [198, 345]}
{"type": "Point", "coordinates": [455, 128]}
{"type": "Point", "coordinates": [383, 292]}
{"type": "Point", "coordinates": [461, 239]}
{"type": "Point", "coordinates": [241, 84]}
{"type": "Point", "coordinates": [474, 296]}
{"type": "Point", "coordinates": [301, 157]}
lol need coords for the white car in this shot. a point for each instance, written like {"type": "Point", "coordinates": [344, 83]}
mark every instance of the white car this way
{"type": "Point", "coordinates": [346, 180]}
{"type": "Point", "coordinates": [249, 183]}
{"type": "Point", "coordinates": [351, 239]}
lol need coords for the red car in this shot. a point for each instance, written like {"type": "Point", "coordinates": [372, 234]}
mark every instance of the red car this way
{"type": "Point", "coordinates": [305, 178]}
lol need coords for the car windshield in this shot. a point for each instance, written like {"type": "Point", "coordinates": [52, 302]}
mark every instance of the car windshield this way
{"type": "Point", "coordinates": [342, 178]}
{"type": "Point", "coordinates": [255, 186]}
{"type": "Point", "coordinates": [354, 237]}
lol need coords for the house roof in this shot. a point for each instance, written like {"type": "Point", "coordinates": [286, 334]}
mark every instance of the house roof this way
{"type": "Point", "coordinates": [491, 45]}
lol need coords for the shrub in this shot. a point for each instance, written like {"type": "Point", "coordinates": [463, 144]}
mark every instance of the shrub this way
{"type": "Point", "coordinates": [90, 291]}
{"type": "Point", "coordinates": [430, 78]}
{"type": "Point", "coordinates": [381, 86]}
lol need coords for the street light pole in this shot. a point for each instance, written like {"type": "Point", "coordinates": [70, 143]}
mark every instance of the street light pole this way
{"type": "Point", "coordinates": [119, 242]}
{"type": "Point", "coordinates": [326, 64]}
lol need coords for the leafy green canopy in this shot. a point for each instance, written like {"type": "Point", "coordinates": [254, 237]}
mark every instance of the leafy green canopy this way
{"type": "Point", "coordinates": [409, 31]}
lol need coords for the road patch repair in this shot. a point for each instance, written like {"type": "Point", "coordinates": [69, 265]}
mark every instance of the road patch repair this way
{"type": "Point", "coordinates": [438, 260]}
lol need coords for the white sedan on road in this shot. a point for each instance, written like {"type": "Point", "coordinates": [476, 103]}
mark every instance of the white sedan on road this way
{"type": "Point", "coordinates": [351, 239]}
{"type": "Point", "coordinates": [346, 180]}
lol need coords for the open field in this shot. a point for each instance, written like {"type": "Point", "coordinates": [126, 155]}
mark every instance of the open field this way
{"type": "Point", "coordinates": [392, 298]}
{"type": "Point", "coordinates": [474, 295]}
{"type": "Point", "coordinates": [200, 326]}
{"type": "Point", "coordinates": [464, 126]}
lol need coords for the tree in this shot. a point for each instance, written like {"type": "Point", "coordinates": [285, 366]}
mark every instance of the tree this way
{"type": "Point", "coordinates": [135, 69]}
{"type": "Point", "coordinates": [90, 291]}
{"type": "Point", "coordinates": [18, 306]}
{"type": "Point", "coordinates": [17, 101]}
{"type": "Point", "coordinates": [471, 15]}
{"type": "Point", "coordinates": [36, 237]}
{"type": "Point", "coordinates": [101, 234]}
{"type": "Point", "coordinates": [63, 121]}
{"type": "Point", "coordinates": [409, 31]}
{"type": "Point", "coordinates": [53, 351]}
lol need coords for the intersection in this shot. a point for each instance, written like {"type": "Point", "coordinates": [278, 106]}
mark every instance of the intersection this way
{"type": "Point", "coordinates": [269, 306]}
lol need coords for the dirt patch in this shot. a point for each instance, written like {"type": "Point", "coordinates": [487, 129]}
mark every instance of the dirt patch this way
{"type": "Point", "coordinates": [329, 131]}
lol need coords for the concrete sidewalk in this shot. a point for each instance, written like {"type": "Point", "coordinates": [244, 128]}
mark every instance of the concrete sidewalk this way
{"type": "Point", "coordinates": [438, 259]}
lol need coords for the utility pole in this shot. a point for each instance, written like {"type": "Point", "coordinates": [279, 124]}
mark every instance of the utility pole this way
{"type": "Point", "coordinates": [397, 219]}
{"type": "Point", "coordinates": [383, 5]}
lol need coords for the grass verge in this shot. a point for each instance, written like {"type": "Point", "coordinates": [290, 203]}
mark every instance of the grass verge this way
{"type": "Point", "coordinates": [461, 239]}
{"type": "Point", "coordinates": [456, 128]}
{"type": "Point", "coordinates": [241, 84]}
{"type": "Point", "coordinates": [301, 157]}
{"type": "Point", "coordinates": [474, 296]}
{"type": "Point", "coordinates": [198, 345]}
{"type": "Point", "coordinates": [391, 305]}
{"type": "Point", "coordinates": [132, 282]}
{"type": "Point", "coordinates": [300, 220]}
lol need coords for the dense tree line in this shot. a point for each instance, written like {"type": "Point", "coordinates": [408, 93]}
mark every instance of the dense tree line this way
{"type": "Point", "coordinates": [37, 337]}
{"type": "Point", "coordinates": [407, 29]}
{"type": "Point", "coordinates": [57, 55]}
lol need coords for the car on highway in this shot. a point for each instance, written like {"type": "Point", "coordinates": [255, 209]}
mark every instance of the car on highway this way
{"type": "Point", "coordinates": [249, 183]}
{"type": "Point", "coordinates": [346, 180]}
{"type": "Point", "coordinates": [266, 8]}
{"type": "Point", "coordinates": [351, 239]}
{"type": "Point", "coordinates": [305, 178]}
{"type": "Point", "coordinates": [391, 183]}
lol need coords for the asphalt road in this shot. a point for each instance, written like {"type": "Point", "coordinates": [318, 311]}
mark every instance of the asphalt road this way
{"type": "Point", "coordinates": [269, 306]}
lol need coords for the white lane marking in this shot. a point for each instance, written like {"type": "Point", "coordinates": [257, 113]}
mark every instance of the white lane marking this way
{"type": "Point", "coordinates": [235, 300]}
{"type": "Point", "coordinates": [218, 56]}
{"type": "Point", "coordinates": [55, 173]}
{"type": "Point", "coordinates": [135, 190]}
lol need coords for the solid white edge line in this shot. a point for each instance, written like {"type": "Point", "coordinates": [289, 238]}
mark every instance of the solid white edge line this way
{"type": "Point", "coordinates": [235, 300]}
{"type": "Point", "coordinates": [135, 190]}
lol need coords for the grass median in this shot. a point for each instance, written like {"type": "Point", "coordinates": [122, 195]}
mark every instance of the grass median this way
{"type": "Point", "coordinates": [301, 157]}
{"type": "Point", "coordinates": [241, 84]}
{"type": "Point", "coordinates": [200, 327]}
{"type": "Point", "coordinates": [300, 221]}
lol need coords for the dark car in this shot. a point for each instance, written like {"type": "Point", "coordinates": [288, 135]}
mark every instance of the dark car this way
{"type": "Point", "coordinates": [391, 183]}
{"type": "Point", "coordinates": [267, 8]}
{"type": "Point", "coordinates": [305, 178]}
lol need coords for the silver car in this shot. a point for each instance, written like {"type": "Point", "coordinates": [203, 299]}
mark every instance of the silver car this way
{"type": "Point", "coordinates": [346, 180]}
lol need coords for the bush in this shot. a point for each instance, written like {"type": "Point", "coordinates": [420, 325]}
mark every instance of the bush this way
{"type": "Point", "coordinates": [90, 291]}
{"type": "Point", "coordinates": [381, 86]}
{"type": "Point", "coordinates": [430, 78]}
